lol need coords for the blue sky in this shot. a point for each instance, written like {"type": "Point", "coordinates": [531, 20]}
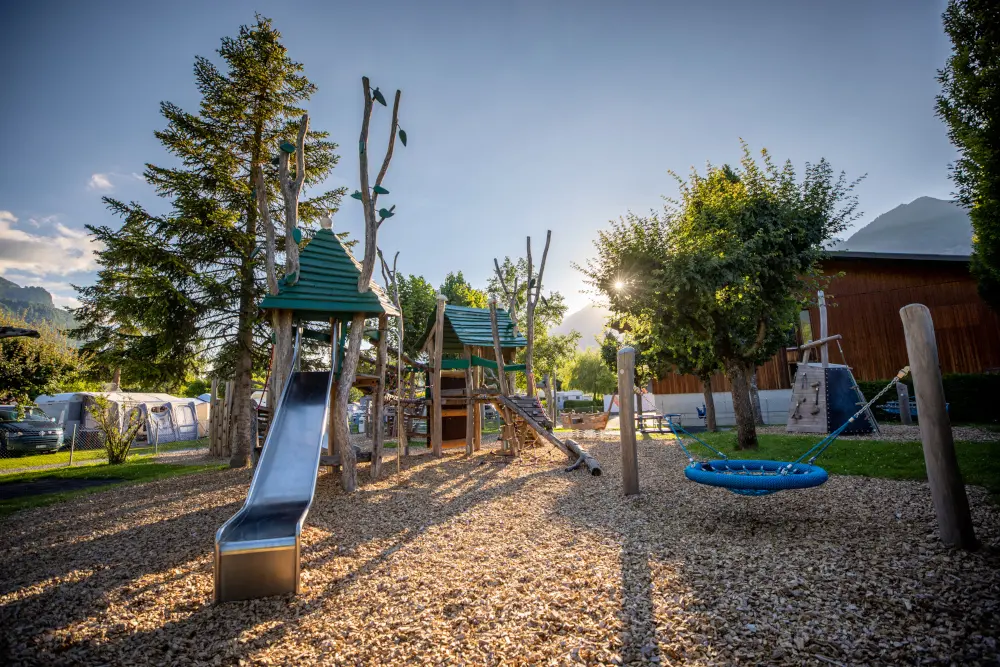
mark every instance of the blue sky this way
{"type": "Point", "coordinates": [521, 116]}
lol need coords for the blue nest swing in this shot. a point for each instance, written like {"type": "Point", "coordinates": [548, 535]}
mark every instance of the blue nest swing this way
{"type": "Point", "coordinates": [752, 477]}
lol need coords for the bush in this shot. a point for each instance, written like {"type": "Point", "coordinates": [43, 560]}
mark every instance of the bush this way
{"type": "Point", "coordinates": [588, 404]}
{"type": "Point", "coordinates": [971, 397]}
{"type": "Point", "coordinates": [118, 425]}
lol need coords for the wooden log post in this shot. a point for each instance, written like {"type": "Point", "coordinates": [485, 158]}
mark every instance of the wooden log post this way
{"type": "Point", "coordinates": [507, 434]}
{"type": "Point", "coordinates": [951, 505]}
{"type": "Point", "coordinates": [436, 430]}
{"type": "Point", "coordinates": [336, 329]}
{"type": "Point", "coordinates": [626, 418]}
{"type": "Point", "coordinates": [213, 396]}
{"type": "Point", "coordinates": [824, 350]}
{"type": "Point", "coordinates": [478, 407]}
{"type": "Point", "coordinates": [593, 466]}
{"type": "Point", "coordinates": [903, 394]}
{"type": "Point", "coordinates": [378, 397]}
{"type": "Point", "coordinates": [470, 427]}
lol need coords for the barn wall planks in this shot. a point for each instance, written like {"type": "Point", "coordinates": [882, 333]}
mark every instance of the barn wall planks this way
{"type": "Point", "coordinates": [863, 306]}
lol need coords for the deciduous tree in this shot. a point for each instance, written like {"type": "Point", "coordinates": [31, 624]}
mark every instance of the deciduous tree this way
{"type": "Point", "coordinates": [32, 366]}
{"type": "Point", "coordinates": [970, 104]}
{"type": "Point", "coordinates": [728, 265]}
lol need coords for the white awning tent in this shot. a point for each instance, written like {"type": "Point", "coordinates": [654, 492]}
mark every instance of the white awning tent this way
{"type": "Point", "coordinates": [166, 418]}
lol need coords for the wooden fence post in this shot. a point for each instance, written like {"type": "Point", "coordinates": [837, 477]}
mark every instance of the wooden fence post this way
{"type": "Point", "coordinates": [626, 419]}
{"type": "Point", "coordinates": [903, 394]}
{"type": "Point", "coordinates": [951, 505]}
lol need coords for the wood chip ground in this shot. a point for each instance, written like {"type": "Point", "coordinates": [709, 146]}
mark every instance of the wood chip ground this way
{"type": "Point", "coordinates": [484, 561]}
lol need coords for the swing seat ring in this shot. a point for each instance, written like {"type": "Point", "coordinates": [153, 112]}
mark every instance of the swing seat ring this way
{"type": "Point", "coordinates": [755, 478]}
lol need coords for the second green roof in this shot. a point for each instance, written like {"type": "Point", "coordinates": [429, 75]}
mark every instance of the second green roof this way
{"type": "Point", "coordinates": [471, 326]}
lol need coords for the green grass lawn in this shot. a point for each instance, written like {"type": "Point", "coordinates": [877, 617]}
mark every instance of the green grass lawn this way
{"type": "Point", "coordinates": [979, 461]}
{"type": "Point", "coordinates": [19, 462]}
{"type": "Point", "coordinates": [135, 471]}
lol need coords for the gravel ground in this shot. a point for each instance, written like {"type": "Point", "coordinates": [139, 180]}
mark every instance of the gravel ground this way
{"type": "Point", "coordinates": [489, 561]}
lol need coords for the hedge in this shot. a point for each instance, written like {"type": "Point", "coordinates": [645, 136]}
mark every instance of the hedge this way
{"type": "Point", "coordinates": [587, 404]}
{"type": "Point", "coordinates": [971, 397]}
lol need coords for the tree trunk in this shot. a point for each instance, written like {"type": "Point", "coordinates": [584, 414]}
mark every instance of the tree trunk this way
{"type": "Point", "coordinates": [706, 387]}
{"type": "Point", "coordinates": [240, 440]}
{"type": "Point", "coordinates": [746, 431]}
{"type": "Point", "coordinates": [342, 437]}
{"type": "Point", "coordinates": [758, 416]}
{"type": "Point", "coordinates": [281, 365]}
{"type": "Point", "coordinates": [378, 434]}
{"type": "Point", "coordinates": [116, 380]}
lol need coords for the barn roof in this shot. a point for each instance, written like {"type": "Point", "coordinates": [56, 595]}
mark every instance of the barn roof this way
{"type": "Point", "coordinates": [895, 256]}
{"type": "Point", "coordinates": [328, 284]}
{"type": "Point", "coordinates": [471, 326]}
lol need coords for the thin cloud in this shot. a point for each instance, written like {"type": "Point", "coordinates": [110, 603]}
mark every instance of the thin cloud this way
{"type": "Point", "coordinates": [100, 182]}
{"type": "Point", "coordinates": [61, 253]}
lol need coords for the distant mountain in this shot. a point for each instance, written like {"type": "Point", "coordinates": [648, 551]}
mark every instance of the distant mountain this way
{"type": "Point", "coordinates": [924, 226]}
{"type": "Point", "coordinates": [34, 304]}
{"type": "Point", "coordinates": [589, 321]}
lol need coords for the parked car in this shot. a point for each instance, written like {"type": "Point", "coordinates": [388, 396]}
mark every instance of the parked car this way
{"type": "Point", "coordinates": [28, 429]}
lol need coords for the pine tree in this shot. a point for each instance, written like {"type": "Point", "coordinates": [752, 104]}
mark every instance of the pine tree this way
{"type": "Point", "coordinates": [186, 284]}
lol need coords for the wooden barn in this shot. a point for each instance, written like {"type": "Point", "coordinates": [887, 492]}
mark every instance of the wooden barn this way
{"type": "Point", "coordinates": [863, 306]}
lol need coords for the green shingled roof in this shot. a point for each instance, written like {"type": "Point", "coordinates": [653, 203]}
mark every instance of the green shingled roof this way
{"type": "Point", "coordinates": [471, 326]}
{"type": "Point", "coordinates": [328, 284]}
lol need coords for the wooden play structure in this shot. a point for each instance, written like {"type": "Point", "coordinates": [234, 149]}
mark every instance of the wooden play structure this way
{"type": "Point", "coordinates": [470, 363]}
{"type": "Point", "coordinates": [825, 394]}
{"type": "Point", "coordinates": [326, 291]}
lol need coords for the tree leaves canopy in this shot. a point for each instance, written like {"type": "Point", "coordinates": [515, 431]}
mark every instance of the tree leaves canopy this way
{"type": "Point", "coordinates": [720, 275]}
{"type": "Point", "coordinates": [970, 104]}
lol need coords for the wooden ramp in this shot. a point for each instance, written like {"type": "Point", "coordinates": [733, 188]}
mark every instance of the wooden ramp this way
{"type": "Point", "coordinates": [529, 426]}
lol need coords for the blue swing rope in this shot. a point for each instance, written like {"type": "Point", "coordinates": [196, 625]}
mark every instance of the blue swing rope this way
{"type": "Point", "coordinates": [818, 448]}
{"type": "Point", "coordinates": [677, 427]}
{"type": "Point", "coordinates": [825, 443]}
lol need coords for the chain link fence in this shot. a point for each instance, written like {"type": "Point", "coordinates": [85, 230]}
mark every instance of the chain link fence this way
{"type": "Point", "coordinates": [41, 443]}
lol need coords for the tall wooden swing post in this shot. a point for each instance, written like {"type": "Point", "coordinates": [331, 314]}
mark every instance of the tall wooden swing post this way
{"type": "Point", "coordinates": [470, 403]}
{"type": "Point", "coordinates": [626, 418]}
{"type": "Point", "coordinates": [903, 396]}
{"type": "Point", "coordinates": [378, 410]}
{"type": "Point", "coordinates": [824, 351]}
{"type": "Point", "coordinates": [951, 505]}
{"type": "Point", "coordinates": [477, 407]}
{"type": "Point", "coordinates": [507, 434]}
{"type": "Point", "coordinates": [436, 436]}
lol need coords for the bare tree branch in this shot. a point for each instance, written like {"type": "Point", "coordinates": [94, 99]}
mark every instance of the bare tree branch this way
{"type": "Point", "coordinates": [392, 144]}
{"type": "Point", "coordinates": [265, 217]}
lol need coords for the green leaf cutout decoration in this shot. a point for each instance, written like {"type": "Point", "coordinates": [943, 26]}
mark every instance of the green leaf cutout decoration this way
{"type": "Point", "coordinates": [357, 195]}
{"type": "Point", "coordinates": [287, 147]}
{"type": "Point", "coordinates": [297, 235]}
{"type": "Point", "coordinates": [379, 190]}
{"type": "Point", "coordinates": [361, 148]}
{"type": "Point", "coordinates": [378, 97]}
{"type": "Point", "coordinates": [402, 135]}
{"type": "Point", "coordinates": [385, 213]}
{"type": "Point", "coordinates": [255, 252]}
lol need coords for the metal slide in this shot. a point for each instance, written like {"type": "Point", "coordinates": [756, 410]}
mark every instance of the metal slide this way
{"type": "Point", "coordinates": [257, 551]}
